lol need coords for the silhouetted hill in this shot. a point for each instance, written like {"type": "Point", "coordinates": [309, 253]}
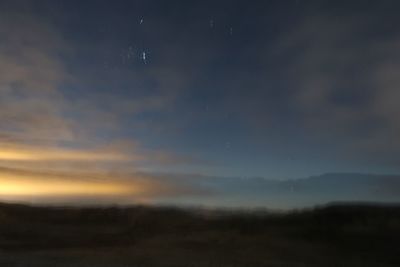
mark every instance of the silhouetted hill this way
{"type": "Point", "coordinates": [298, 192]}
{"type": "Point", "coordinates": [334, 235]}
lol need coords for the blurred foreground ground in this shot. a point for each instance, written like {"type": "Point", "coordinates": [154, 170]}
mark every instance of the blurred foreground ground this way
{"type": "Point", "coordinates": [336, 235]}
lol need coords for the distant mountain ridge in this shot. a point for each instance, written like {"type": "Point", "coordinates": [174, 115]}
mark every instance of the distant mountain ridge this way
{"type": "Point", "coordinates": [301, 192]}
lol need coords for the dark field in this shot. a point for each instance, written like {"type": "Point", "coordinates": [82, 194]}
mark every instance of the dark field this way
{"type": "Point", "coordinates": [335, 235]}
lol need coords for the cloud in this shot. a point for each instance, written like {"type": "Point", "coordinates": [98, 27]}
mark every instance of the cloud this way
{"type": "Point", "coordinates": [54, 146]}
{"type": "Point", "coordinates": [30, 153]}
{"type": "Point", "coordinates": [37, 109]}
{"type": "Point", "coordinates": [30, 105]}
{"type": "Point", "coordinates": [338, 85]}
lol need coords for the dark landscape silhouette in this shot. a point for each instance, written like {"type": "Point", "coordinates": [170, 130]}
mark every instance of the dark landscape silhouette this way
{"type": "Point", "coordinates": [358, 234]}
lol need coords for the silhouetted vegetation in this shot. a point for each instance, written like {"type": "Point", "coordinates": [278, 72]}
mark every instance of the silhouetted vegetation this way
{"type": "Point", "coordinates": [335, 235]}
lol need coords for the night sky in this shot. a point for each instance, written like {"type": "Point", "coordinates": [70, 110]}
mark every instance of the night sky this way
{"type": "Point", "coordinates": [217, 103]}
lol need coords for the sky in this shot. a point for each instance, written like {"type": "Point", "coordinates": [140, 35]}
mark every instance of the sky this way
{"type": "Point", "coordinates": [195, 101]}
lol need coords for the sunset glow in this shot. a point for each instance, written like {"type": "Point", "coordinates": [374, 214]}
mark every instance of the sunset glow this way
{"type": "Point", "coordinates": [15, 186]}
{"type": "Point", "coordinates": [37, 154]}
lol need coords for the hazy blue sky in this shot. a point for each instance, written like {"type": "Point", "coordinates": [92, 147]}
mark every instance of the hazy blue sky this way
{"type": "Point", "coordinates": [116, 94]}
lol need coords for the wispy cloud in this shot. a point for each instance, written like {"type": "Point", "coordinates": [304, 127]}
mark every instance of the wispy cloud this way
{"type": "Point", "coordinates": [49, 143]}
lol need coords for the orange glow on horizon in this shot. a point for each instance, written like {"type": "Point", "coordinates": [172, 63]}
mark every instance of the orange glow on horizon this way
{"type": "Point", "coordinates": [36, 154]}
{"type": "Point", "coordinates": [19, 180]}
{"type": "Point", "coordinates": [15, 186]}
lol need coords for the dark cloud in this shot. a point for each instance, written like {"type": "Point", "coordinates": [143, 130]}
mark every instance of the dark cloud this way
{"type": "Point", "coordinates": [342, 82]}
{"type": "Point", "coordinates": [330, 78]}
